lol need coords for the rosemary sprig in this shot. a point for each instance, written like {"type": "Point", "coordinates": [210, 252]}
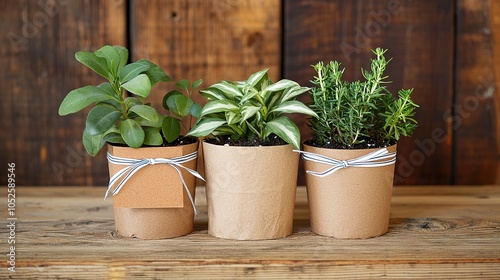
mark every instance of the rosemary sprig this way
{"type": "Point", "coordinates": [351, 114]}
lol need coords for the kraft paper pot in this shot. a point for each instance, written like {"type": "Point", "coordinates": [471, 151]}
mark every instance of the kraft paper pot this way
{"type": "Point", "coordinates": [353, 202]}
{"type": "Point", "coordinates": [153, 203]}
{"type": "Point", "coordinates": [250, 191]}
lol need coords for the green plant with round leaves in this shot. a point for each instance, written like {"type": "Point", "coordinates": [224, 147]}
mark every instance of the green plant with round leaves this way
{"type": "Point", "coordinates": [250, 109]}
{"type": "Point", "coordinates": [181, 106]}
{"type": "Point", "coordinates": [359, 114]}
{"type": "Point", "coordinates": [116, 116]}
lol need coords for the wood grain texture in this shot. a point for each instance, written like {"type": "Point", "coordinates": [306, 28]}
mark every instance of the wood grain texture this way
{"type": "Point", "coordinates": [477, 106]}
{"type": "Point", "coordinates": [213, 40]}
{"type": "Point", "coordinates": [447, 50]}
{"type": "Point", "coordinates": [435, 232]}
{"type": "Point", "coordinates": [347, 31]}
{"type": "Point", "coordinates": [40, 39]}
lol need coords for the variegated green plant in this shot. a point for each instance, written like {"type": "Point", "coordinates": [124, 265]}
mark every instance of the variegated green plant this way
{"type": "Point", "coordinates": [119, 118]}
{"type": "Point", "coordinates": [254, 108]}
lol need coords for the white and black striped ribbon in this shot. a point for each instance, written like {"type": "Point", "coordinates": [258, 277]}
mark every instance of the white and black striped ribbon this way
{"type": "Point", "coordinates": [378, 158]}
{"type": "Point", "coordinates": [134, 165]}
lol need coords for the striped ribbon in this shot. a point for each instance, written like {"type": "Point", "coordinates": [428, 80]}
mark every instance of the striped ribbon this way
{"type": "Point", "coordinates": [378, 158]}
{"type": "Point", "coordinates": [134, 165]}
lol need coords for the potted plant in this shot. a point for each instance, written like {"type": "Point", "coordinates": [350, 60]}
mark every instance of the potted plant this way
{"type": "Point", "coordinates": [350, 159]}
{"type": "Point", "coordinates": [250, 167]}
{"type": "Point", "coordinates": [150, 164]}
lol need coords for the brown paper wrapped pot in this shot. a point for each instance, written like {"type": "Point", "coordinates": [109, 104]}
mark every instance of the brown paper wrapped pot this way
{"type": "Point", "coordinates": [352, 202]}
{"type": "Point", "coordinates": [250, 191]}
{"type": "Point", "coordinates": [153, 204]}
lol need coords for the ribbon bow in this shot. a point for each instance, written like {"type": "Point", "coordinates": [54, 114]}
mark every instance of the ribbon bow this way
{"type": "Point", "coordinates": [378, 158]}
{"type": "Point", "coordinates": [134, 165]}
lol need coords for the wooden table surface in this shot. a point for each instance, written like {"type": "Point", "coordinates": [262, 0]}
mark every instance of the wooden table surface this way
{"type": "Point", "coordinates": [435, 232]}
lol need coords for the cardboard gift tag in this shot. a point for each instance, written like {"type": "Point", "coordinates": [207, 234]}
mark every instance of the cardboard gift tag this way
{"type": "Point", "coordinates": [153, 186]}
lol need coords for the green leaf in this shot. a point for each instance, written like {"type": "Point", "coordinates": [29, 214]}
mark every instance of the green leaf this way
{"type": "Point", "coordinates": [206, 126]}
{"type": "Point", "coordinates": [284, 128]}
{"type": "Point", "coordinates": [80, 98]}
{"type": "Point", "coordinates": [112, 57]}
{"type": "Point", "coordinates": [147, 112]}
{"type": "Point", "coordinates": [132, 101]}
{"type": "Point", "coordinates": [218, 106]}
{"type": "Point", "coordinates": [180, 105]}
{"type": "Point", "coordinates": [143, 122]}
{"type": "Point", "coordinates": [152, 137]}
{"type": "Point", "coordinates": [123, 52]}
{"type": "Point", "coordinates": [249, 111]}
{"type": "Point", "coordinates": [293, 92]}
{"type": "Point", "coordinates": [113, 103]}
{"type": "Point", "coordinates": [132, 133]}
{"type": "Point", "coordinates": [229, 89]}
{"type": "Point", "coordinates": [271, 102]}
{"type": "Point", "coordinates": [101, 118]}
{"type": "Point", "coordinates": [281, 85]}
{"type": "Point", "coordinates": [132, 70]}
{"type": "Point", "coordinates": [183, 84]}
{"type": "Point", "coordinates": [155, 73]}
{"type": "Point", "coordinates": [239, 130]}
{"type": "Point", "coordinates": [224, 130]}
{"type": "Point", "coordinates": [196, 110]}
{"type": "Point", "coordinates": [167, 96]}
{"type": "Point", "coordinates": [248, 95]}
{"type": "Point", "coordinates": [92, 143]}
{"type": "Point", "coordinates": [253, 129]}
{"type": "Point", "coordinates": [114, 137]}
{"type": "Point", "coordinates": [232, 117]}
{"type": "Point", "coordinates": [197, 83]}
{"type": "Point", "coordinates": [212, 94]}
{"type": "Point", "coordinates": [106, 86]}
{"type": "Point", "coordinates": [139, 85]}
{"type": "Point", "coordinates": [255, 78]}
{"type": "Point", "coordinates": [94, 62]}
{"type": "Point", "coordinates": [171, 129]}
{"type": "Point", "coordinates": [294, 106]}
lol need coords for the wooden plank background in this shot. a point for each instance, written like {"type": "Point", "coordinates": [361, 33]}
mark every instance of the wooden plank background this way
{"type": "Point", "coordinates": [477, 102]}
{"type": "Point", "coordinates": [444, 49]}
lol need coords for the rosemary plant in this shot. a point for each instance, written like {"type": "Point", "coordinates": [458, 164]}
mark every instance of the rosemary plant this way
{"type": "Point", "coordinates": [359, 114]}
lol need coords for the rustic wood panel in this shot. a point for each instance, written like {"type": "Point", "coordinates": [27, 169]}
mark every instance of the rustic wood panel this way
{"type": "Point", "coordinates": [477, 104]}
{"type": "Point", "coordinates": [39, 40]}
{"type": "Point", "coordinates": [419, 36]}
{"type": "Point", "coordinates": [230, 39]}
{"type": "Point", "coordinates": [435, 232]}
{"type": "Point", "coordinates": [214, 40]}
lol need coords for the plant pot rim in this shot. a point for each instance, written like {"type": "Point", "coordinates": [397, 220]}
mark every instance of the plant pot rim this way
{"type": "Point", "coordinates": [234, 146]}
{"type": "Point", "coordinates": [365, 149]}
{"type": "Point", "coordinates": [150, 147]}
